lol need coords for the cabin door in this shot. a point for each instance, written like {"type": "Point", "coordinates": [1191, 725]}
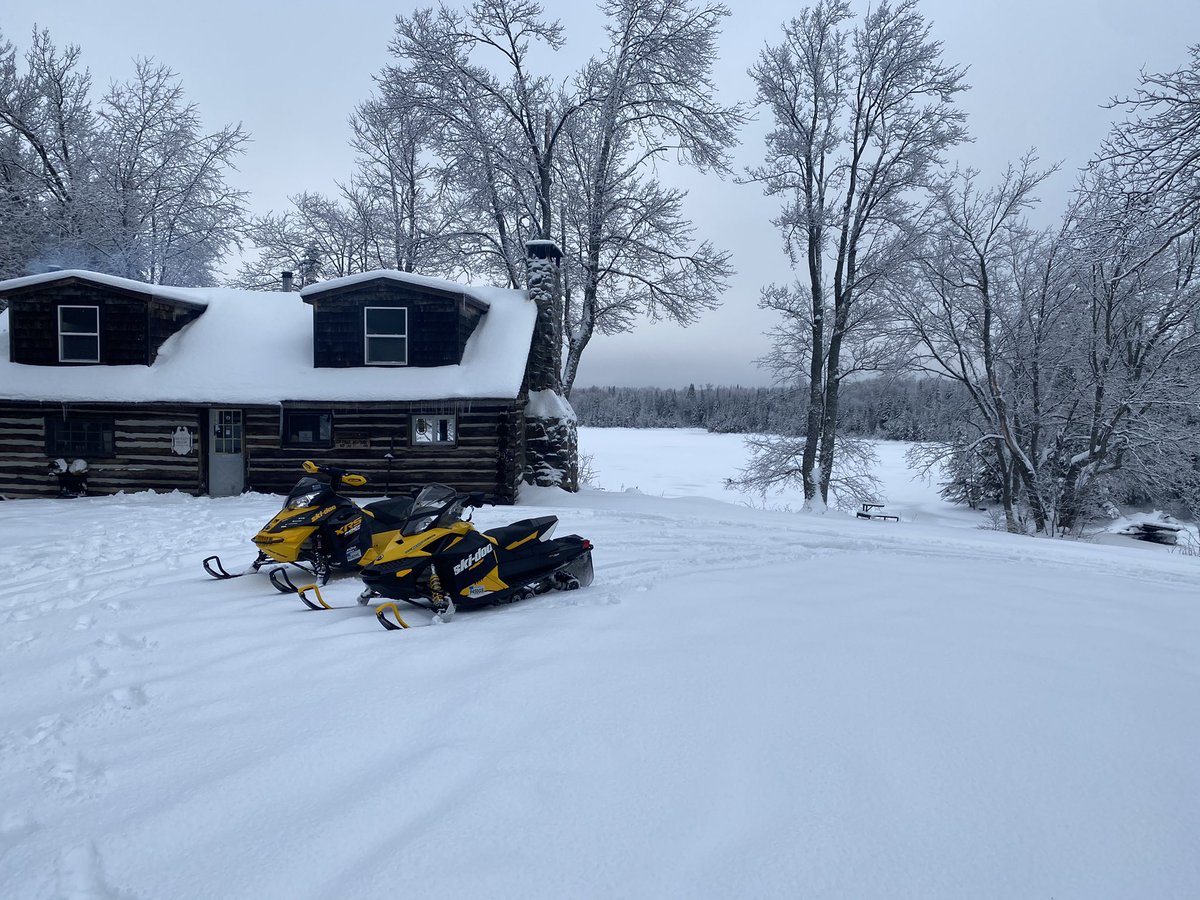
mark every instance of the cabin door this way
{"type": "Point", "coordinates": [226, 463]}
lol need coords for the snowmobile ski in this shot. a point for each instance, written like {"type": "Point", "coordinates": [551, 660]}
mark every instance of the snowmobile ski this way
{"type": "Point", "coordinates": [389, 617]}
{"type": "Point", "coordinates": [214, 567]}
{"type": "Point", "coordinates": [303, 594]}
{"type": "Point", "coordinates": [396, 622]}
{"type": "Point", "coordinates": [281, 582]}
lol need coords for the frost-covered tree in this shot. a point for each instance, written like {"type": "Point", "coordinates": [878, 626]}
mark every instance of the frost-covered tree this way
{"type": "Point", "coordinates": [979, 310]}
{"type": "Point", "coordinates": [170, 214]}
{"type": "Point", "coordinates": [48, 137]}
{"type": "Point", "coordinates": [393, 212]}
{"type": "Point", "coordinates": [631, 243]}
{"type": "Point", "coordinates": [1135, 377]}
{"type": "Point", "coordinates": [1080, 350]}
{"type": "Point", "coordinates": [132, 186]}
{"type": "Point", "coordinates": [472, 76]}
{"type": "Point", "coordinates": [501, 129]}
{"type": "Point", "coordinates": [1155, 153]}
{"type": "Point", "coordinates": [319, 238]}
{"type": "Point", "coordinates": [863, 112]}
{"type": "Point", "coordinates": [418, 217]}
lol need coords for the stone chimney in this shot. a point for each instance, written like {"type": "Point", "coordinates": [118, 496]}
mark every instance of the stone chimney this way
{"type": "Point", "coordinates": [543, 260]}
{"type": "Point", "coordinates": [287, 282]}
{"type": "Point", "coordinates": [551, 430]}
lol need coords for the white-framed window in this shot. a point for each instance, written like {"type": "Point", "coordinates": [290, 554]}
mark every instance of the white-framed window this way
{"type": "Point", "coordinates": [385, 336]}
{"type": "Point", "coordinates": [79, 334]}
{"type": "Point", "coordinates": [434, 430]}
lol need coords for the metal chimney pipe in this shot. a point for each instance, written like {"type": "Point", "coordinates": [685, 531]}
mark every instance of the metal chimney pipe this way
{"type": "Point", "coordinates": [287, 282]}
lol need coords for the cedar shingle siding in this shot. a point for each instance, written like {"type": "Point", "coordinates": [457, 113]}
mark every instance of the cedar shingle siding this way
{"type": "Point", "coordinates": [439, 323]}
{"type": "Point", "coordinates": [133, 326]}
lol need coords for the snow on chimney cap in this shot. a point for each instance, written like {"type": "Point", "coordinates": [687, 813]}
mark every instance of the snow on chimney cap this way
{"type": "Point", "coordinates": [543, 250]}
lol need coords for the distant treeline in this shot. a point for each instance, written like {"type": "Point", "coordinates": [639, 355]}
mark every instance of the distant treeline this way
{"type": "Point", "coordinates": [925, 409]}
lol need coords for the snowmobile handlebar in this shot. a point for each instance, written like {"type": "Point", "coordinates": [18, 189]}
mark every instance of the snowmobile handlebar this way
{"type": "Point", "coordinates": [336, 476]}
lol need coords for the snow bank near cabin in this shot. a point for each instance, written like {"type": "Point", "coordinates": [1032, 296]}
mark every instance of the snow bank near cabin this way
{"type": "Point", "coordinates": [257, 347]}
{"type": "Point", "coordinates": [549, 405]}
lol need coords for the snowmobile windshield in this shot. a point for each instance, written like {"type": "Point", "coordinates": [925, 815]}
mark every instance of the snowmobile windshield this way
{"type": "Point", "coordinates": [306, 491]}
{"type": "Point", "coordinates": [433, 505]}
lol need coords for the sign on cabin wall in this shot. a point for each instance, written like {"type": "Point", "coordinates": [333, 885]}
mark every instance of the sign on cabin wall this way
{"type": "Point", "coordinates": [182, 442]}
{"type": "Point", "coordinates": [351, 440]}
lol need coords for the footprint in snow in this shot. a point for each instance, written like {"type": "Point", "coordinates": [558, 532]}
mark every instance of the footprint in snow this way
{"type": "Point", "coordinates": [21, 641]}
{"type": "Point", "coordinates": [47, 732]}
{"type": "Point", "coordinates": [14, 827]}
{"type": "Point", "coordinates": [89, 671]}
{"type": "Point", "coordinates": [81, 876]}
{"type": "Point", "coordinates": [127, 698]}
{"type": "Point", "coordinates": [115, 640]}
{"type": "Point", "coordinates": [84, 622]}
{"type": "Point", "coordinates": [74, 776]}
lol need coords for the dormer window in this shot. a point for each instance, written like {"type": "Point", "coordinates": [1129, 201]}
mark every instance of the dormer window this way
{"type": "Point", "coordinates": [79, 334]}
{"type": "Point", "coordinates": [385, 336]}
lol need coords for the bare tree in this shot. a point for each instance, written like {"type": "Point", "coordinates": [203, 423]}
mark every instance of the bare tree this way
{"type": "Point", "coordinates": [970, 311]}
{"type": "Point", "coordinates": [49, 131]}
{"type": "Point", "coordinates": [1137, 336]}
{"type": "Point", "coordinates": [862, 116]}
{"type": "Point", "coordinates": [1155, 154]}
{"type": "Point", "coordinates": [172, 214]}
{"type": "Point", "coordinates": [574, 162]}
{"type": "Point", "coordinates": [649, 95]}
{"type": "Point", "coordinates": [498, 133]}
{"type": "Point", "coordinates": [318, 239]}
{"type": "Point", "coordinates": [1078, 350]}
{"type": "Point", "coordinates": [135, 187]}
{"type": "Point", "coordinates": [420, 222]}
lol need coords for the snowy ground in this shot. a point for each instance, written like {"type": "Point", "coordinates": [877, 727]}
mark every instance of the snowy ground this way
{"type": "Point", "coordinates": [746, 703]}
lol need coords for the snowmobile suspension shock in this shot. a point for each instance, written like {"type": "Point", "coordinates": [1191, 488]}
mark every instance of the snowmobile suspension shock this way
{"type": "Point", "coordinates": [440, 600]}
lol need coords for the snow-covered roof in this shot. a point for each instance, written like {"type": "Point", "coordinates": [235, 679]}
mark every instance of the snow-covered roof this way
{"type": "Point", "coordinates": [174, 295]}
{"type": "Point", "coordinates": [426, 281]}
{"type": "Point", "coordinates": [257, 347]}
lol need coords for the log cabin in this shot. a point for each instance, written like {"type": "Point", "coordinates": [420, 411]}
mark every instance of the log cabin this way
{"type": "Point", "coordinates": [404, 378]}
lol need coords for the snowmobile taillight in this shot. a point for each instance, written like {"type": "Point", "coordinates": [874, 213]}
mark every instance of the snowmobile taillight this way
{"type": "Point", "coordinates": [587, 545]}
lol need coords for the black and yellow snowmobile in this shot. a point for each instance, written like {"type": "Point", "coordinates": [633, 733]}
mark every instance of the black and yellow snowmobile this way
{"type": "Point", "coordinates": [319, 530]}
{"type": "Point", "coordinates": [441, 562]}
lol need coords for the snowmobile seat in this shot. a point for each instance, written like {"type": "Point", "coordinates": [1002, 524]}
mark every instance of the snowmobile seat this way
{"type": "Point", "coordinates": [390, 512]}
{"type": "Point", "coordinates": [515, 534]}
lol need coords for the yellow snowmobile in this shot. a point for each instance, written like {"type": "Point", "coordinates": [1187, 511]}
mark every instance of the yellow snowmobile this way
{"type": "Point", "coordinates": [319, 530]}
{"type": "Point", "coordinates": [440, 562]}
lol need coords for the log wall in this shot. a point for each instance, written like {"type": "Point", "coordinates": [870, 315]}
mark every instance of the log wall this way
{"type": "Point", "coordinates": [487, 455]}
{"type": "Point", "coordinates": [484, 457]}
{"type": "Point", "coordinates": [144, 459]}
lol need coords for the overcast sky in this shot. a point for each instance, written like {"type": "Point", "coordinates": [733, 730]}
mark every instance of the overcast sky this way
{"type": "Point", "coordinates": [291, 70]}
